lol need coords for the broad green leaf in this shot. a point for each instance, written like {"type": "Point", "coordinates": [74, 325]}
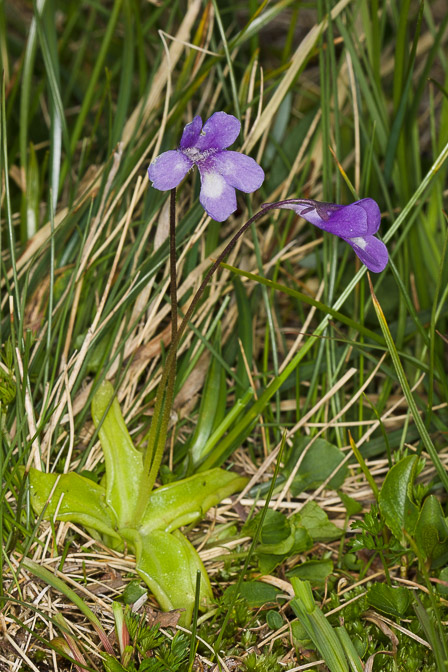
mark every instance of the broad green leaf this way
{"type": "Point", "coordinates": [133, 591]}
{"type": "Point", "coordinates": [124, 463]}
{"type": "Point", "coordinates": [431, 532]}
{"type": "Point", "coordinates": [392, 601]}
{"type": "Point", "coordinates": [300, 636]}
{"type": "Point", "coordinates": [280, 539]}
{"type": "Point", "coordinates": [183, 502]}
{"type": "Point", "coordinates": [315, 571]}
{"type": "Point", "coordinates": [316, 522]}
{"type": "Point", "coordinates": [399, 511]}
{"type": "Point", "coordinates": [276, 527]}
{"type": "Point", "coordinates": [352, 506]}
{"type": "Point", "coordinates": [274, 620]}
{"type": "Point", "coordinates": [267, 562]}
{"type": "Point", "coordinates": [75, 498]}
{"type": "Point", "coordinates": [168, 564]}
{"type": "Point", "coordinates": [256, 593]}
{"type": "Point", "coordinates": [302, 538]}
{"type": "Point", "coordinates": [284, 547]}
{"type": "Point", "coordinates": [318, 463]}
{"type": "Point", "coordinates": [111, 664]}
{"type": "Point", "coordinates": [443, 576]}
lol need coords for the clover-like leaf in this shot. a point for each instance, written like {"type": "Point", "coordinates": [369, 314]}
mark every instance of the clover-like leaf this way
{"type": "Point", "coordinates": [183, 502]}
{"type": "Point", "coordinates": [71, 497]}
{"type": "Point", "coordinates": [124, 464]}
{"type": "Point", "coordinates": [315, 521]}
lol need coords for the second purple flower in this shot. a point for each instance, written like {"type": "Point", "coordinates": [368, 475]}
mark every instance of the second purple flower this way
{"type": "Point", "coordinates": [221, 171]}
{"type": "Point", "coordinates": [355, 223]}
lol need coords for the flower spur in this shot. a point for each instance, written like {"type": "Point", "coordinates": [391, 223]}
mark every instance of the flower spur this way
{"type": "Point", "coordinates": [355, 223]}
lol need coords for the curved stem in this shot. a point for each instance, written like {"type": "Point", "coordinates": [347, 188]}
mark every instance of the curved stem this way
{"type": "Point", "coordinates": [165, 390]}
{"type": "Point", "coordinates": [173, 272]}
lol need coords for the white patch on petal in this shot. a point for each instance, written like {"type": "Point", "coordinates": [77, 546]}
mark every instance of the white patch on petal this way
{"type": "Point", "coordinates": [360, 242]}
{"type": "Point", "coordinates": [180, 166]}
{"type": "Point", "coordinates": [212, 185]}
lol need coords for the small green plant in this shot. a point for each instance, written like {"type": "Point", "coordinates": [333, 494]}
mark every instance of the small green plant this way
{"type": "Point", "coordinates": [265, 662]}
{"type": "Point", "coordinates": [320, 632]}
{"type": "Point", "coordinates": [165, 559]}
{"type": "Point", "coordinates": [144, 648]}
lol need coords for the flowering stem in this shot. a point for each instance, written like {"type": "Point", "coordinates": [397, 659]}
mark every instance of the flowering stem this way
{"type": "Point", "coordinates": [165, 390]}
{"type": "Point", "coordinates": [173, 273]}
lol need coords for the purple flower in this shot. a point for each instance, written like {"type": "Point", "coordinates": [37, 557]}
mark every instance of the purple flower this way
{"type": "Point", "coordinates": [355, 223]}
{"type": "Point", "coordinates": [221, 171]}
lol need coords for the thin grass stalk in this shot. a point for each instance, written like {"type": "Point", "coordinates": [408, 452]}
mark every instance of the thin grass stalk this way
{"type": "Point", "coordinates": [7, 198]}
{"type": "Point", "coordinates": [173, 272]}
{"type": "Point", "coordinates": [432, 333]}
{"type": "Point", "coordinates": [426, 439]}
{"type": "Point", "coordinates": [364, 467]}
{"type": "Point", "coordinates": [88, 96]}
{"type": "Point", "coordinates": [236, 102]}
{"type": "Point", "coordinates": [194, 625]}
{"type": "Point", "coordinates": [60, 585]}
{"type": "Point", "coordinates": [256, 536]}
{"type": "Point", "coordinates": [270, 323]}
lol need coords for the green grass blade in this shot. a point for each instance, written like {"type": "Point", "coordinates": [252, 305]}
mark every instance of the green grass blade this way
{"type": "Point", "coordinates": [426, 439]}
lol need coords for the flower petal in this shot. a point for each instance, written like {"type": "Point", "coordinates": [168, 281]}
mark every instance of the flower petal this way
{"type": "Point", "coordinates": [372, 252]}
{"type": "Point", "coordinates": [191, 133]}
{"type": "Point", "coordinates": [169, 169]}
{"type": "Point", "coordinates": [373, 214]}
{"type": "Point", "coordinates": [217, 197]}
{"type": "Point", "coordinates": [357, 219]}
{"type": "Point", "coordinates": [239, 171]}
{"type": "Point", "coordinates": [349, 221]}
{"type": "Point", "coordinates": [220, 131]}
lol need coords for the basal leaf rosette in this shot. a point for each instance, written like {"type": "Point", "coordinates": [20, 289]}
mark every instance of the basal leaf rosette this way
{"type": "Point", "coordinates": [165, 559]}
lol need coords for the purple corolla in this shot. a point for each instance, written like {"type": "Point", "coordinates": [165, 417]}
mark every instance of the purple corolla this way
{"type": "Point", "coordinates": [355, 223]}
{"type": "Point", "coordinates": [221, 171]}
